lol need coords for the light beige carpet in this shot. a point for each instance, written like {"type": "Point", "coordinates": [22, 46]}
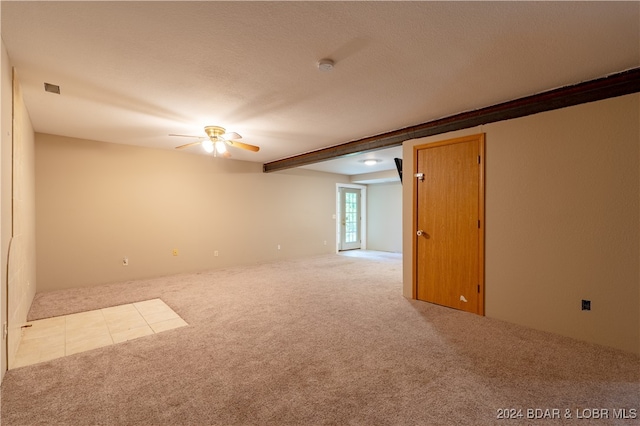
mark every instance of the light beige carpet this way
{"type": "Point", "coordinates": [323, 340]}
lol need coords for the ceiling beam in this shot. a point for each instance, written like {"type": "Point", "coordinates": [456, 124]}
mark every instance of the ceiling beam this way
{"type": "Point", "coordinates": [619, 84]}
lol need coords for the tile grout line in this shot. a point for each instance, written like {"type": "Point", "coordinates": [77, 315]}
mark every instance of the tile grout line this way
{"type": "Point", "coordinates": [107, 326]}
{"type": "Point", "coordinates": [145, 318]}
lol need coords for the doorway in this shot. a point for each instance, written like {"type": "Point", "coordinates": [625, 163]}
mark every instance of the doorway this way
{"type": "Point", "coordinates": [449, 223]}
{"type": "Point", "coordinates": [351, 223]}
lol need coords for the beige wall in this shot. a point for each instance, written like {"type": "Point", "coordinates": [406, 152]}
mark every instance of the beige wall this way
{"type": "Point", "coordinates": [6, 115]}
{"type": "Point", "coordinates": [21, 261]}
{"type": "Point", "coordinates": [562, 220]}
{"type": "Point", "coordinates": [384, 222]}
{"type": "Point", "coordinates": [99, 202]}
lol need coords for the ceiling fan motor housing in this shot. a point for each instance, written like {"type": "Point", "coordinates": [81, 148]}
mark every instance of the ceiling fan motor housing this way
{"type": "Point", "coordinates": [214, 131]}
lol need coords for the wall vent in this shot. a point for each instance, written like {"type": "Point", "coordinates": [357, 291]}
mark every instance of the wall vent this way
{"type": "Point", "coordinates": [52, 88]}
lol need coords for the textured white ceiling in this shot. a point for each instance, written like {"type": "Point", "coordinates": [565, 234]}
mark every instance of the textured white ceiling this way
{"type": "Point", "coordinates": [133, 72]}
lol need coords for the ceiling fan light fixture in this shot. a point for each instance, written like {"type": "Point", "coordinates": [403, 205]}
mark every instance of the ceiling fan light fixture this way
{"type": "Point", "coordinates": [221, 147]}
{"type": "Point", "coordinates": [216, 141]}
{"type": "Point", "coordinates": [208, 146]}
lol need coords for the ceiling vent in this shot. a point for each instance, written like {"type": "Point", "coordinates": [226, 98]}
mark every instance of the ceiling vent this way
{"type": "Point", "coordinates": [52, 88]}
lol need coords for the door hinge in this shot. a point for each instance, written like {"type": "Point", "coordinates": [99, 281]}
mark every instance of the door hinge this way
{"type": "Point", "coordinates": [5, 331]}
{"type": "Point", "coordinates": [478, 159]}
{"type": "Point", "coordinates": [478, 223]}
{"type": "Point", "coordinates": [478, 288]}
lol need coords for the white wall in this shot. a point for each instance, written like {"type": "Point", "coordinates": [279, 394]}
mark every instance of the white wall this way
{"type": "Point", "coordinates": [384, 225]}
{"type": "Point", "coordinates": [562, 220]}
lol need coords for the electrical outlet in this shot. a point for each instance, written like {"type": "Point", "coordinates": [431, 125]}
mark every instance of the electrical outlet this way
{"type": "Point", "coordinates": [125, 261]}
{"type": "Point", "coordinates": [278, 246]}
{"type": "Point", "coordinates": [215, 253]}
{"type": "Point", "coordinates": [586, 305]}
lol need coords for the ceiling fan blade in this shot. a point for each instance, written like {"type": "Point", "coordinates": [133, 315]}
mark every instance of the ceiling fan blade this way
{"type": "Point", "coordinates": [187, 136]}
{"type": "Point", "coordinates": [242, 145]}
{"type": "Point", "coordinates": [231, 135]}
{"type": "Point", "coordinates": [187, 145]}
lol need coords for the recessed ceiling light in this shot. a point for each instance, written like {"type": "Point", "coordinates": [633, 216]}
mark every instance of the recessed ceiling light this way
{"type": "Point", "coordinates": [371, 161]}
{"type": "Point", "coordinates": [325, 64]}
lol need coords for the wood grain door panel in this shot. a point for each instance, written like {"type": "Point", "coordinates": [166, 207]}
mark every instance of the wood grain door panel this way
{"type": "Point", "coordinates": [448, 215]}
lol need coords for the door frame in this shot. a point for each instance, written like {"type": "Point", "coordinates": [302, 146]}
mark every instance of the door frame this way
{"type": "Point", "coordinates": [480, 137]}
{"type": "Point", "coordinates": [363, 213]}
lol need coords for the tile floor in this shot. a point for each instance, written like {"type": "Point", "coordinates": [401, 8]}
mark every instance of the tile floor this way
{"type": "Point", "coordinates": [56, 337]}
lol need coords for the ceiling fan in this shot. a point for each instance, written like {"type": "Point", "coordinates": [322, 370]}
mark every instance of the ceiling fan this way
{"type": "Point", "coordinates": [217, 141]}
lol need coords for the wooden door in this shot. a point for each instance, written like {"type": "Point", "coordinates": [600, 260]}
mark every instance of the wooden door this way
{"type": "Point", "coordinates": [449, 236]}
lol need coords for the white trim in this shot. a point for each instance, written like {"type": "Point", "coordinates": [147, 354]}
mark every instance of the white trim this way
{"type": "Point", "coordinates": [363, 206]}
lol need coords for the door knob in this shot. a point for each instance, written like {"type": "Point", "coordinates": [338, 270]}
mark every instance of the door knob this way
{"type": "Point", "coordinates": [420, 233]}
